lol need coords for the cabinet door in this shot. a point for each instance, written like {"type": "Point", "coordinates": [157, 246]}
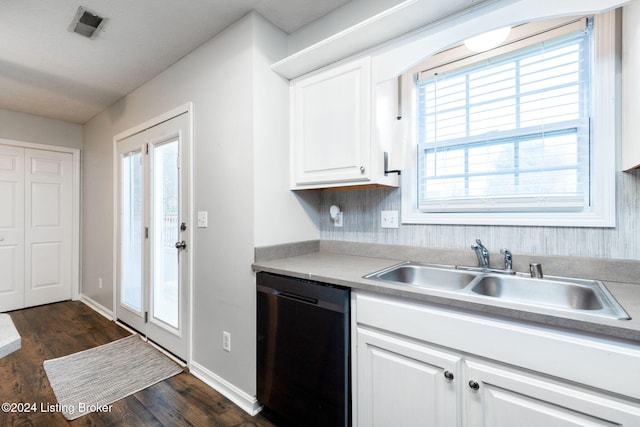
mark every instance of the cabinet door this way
{"type": "Point", "coordinates": [404, 383]}
{"type": "Point", "coordinates": [331, 119]}
{"type": "Point", "coordinates": [507, 398]}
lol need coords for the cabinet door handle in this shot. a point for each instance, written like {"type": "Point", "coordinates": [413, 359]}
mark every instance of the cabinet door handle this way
{"type": "Point", "coordinates": [474, 385]}
{"type": "Point", "coordinates": [448, 375]}
{"type": "Point", "coordinates": [362, 169]}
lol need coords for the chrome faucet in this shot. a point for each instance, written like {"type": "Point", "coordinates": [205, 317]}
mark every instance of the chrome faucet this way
{"type": "Point", "coordinates": [508, 259]}
{"type": "Point", "coordinates": [482, 253]}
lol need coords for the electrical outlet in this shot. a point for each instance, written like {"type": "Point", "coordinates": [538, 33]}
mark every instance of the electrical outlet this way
{"type": "Point", "coordinates": [389, 219]}
{"type": "Point", "coordinates": [337, 222]}
{"type": "Point", "coordinates": [226, 341]}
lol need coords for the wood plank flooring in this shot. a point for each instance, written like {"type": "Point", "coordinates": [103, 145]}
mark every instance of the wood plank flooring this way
{"type": "Point", "coordinates": [59, 329]}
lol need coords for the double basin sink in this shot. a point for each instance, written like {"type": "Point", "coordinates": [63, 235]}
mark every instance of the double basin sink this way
{"type": "Point", "coordinates": [572, 297]}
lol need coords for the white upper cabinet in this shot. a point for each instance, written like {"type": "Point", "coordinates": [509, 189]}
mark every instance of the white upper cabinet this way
{"type": "Point", "coordinates": [331, 135]}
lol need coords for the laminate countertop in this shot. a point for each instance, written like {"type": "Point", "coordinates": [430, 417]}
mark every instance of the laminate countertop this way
{"type": "Point", "coordinates": [348, 270]}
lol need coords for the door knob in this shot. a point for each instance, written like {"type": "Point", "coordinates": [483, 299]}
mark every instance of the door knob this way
{"type": "Point", "coordinates": [181, 245]}
{"type": "Point", "coordinates": [474, 385]}
{"type": "Point", "coordinates": [448, 375]}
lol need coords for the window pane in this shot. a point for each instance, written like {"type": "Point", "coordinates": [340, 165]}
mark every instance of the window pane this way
{"type": "Point", "coordinates": [492, 117]}
{"type": "Point", "coordinates": [548, 182]}
{"type": "Point", "coordinates": [445, 162]}
{"type": "Point", "coordinates": [131, 231]}
{"type": "Point", "coordinates": [165, 212]}
{"type": "Point", "coordinates": [445, 188]}
{"type": "Point", "coordinates": [491, 185]}
{"type": "Point", "coordinates": [551, 152]}
{"type": "Point", "coordinates": [553, 106]}
{"type": "Point", "coordinates": [491, 158]}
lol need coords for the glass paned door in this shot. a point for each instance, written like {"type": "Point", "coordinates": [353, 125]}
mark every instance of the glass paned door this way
{"type": "Point", "coordinates": [153, 235]}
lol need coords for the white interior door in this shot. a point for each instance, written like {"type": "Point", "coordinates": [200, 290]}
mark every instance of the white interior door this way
{"type": "Point", "coordinates": [48, 226]}
{"type": "Point", "coordinates": [11, 228]}
{"type": "Point", "coordinates": [153, 286]}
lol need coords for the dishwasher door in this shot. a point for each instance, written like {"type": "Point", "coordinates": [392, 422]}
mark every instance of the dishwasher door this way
{"type": "Point", "coordinates": [303, 351]}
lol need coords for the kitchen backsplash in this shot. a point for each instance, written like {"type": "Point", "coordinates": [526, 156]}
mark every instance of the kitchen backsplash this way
{"type": "Point", "coordinates": [362, 224]}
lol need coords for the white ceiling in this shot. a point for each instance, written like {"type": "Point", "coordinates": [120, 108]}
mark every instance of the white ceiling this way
{"type": "Point", "coordinates": [49, 71]}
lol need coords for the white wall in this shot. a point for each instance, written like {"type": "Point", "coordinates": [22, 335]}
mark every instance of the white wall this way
{"type": "Point", "coordinates": [280, 215]}
{"type": "Point", "coordinates": [39, 130]}
{"type": "Point", "coordinates": [240, 122]}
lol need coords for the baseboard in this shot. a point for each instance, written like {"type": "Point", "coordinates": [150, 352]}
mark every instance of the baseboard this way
{"type": "Point", "coordinates": [97, 306]}
{"type": "Point", "coordinates": [246, 402]}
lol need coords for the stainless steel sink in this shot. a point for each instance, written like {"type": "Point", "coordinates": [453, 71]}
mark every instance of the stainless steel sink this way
{"type": "Point", "coordinates": [567, 294]}
{"type": "Point", "coordinates": [571, 297]}
{"type": "Point", "coordinates": [424, 275]}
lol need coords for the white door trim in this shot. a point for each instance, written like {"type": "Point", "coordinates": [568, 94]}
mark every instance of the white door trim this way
{"type": "Point", "coordinates": [75, 188]}
{"type": "Point", "coordinates": [185, 108]}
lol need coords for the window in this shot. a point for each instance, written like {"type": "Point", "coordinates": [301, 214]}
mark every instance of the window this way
{"type": "Point", "coordinates": [507, 138]}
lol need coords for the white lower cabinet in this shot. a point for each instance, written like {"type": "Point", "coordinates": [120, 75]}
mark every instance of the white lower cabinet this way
{"type": "Point", "coordinates": [403, 383]}
{"type": "Point", "coordinates": [414, 365]}
{"type": "Point", "coordinates": [508, 397]}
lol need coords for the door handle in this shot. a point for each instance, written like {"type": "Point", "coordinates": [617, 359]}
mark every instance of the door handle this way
{"type": "Point", "coordinates": [181, 245]}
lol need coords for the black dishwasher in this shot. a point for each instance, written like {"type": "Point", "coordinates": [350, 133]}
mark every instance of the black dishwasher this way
{"type": "Point", "coordinates": [303, 351]}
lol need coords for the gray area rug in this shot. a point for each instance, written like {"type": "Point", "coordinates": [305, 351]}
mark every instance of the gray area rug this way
{"type": "Point", "coordinates": [89, 381]}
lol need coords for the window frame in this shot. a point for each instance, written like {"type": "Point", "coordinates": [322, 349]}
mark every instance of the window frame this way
{"type": "Point", "coordinates": [604, 95]}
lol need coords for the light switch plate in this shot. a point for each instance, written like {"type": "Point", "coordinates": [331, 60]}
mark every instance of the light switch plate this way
{"type": "Point", "coordinates": [389, 219]}
{"type": "Point", "coordinates": [203, 221]}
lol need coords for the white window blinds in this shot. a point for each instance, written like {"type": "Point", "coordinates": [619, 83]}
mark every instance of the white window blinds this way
{"type": "Point", "coordinates": [510, 133]}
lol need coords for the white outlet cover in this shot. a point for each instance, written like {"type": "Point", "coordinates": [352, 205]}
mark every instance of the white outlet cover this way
{"type": "Point", "coordinates": [389, 219]}
{"type": "Point", "coordinates": [338, 220]}
{"type": "Point", "coordinates": [226, 341]}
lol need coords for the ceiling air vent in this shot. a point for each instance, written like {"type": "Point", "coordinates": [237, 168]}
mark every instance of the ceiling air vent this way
{"type": "Point", "coordinates": [87, 23]}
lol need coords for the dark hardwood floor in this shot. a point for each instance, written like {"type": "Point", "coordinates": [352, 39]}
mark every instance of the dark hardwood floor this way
{"type": "Point", "coordinates": [56, 330]}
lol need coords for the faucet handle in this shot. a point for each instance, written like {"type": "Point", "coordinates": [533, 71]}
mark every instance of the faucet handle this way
{"type": "Point", "coordinates": [508, 259]}
{"type": "Point", "coordinates": [535, 269]}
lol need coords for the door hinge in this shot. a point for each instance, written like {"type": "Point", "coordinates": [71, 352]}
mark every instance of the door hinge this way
{"type": "Point", "coordinates": [147, 148]}
{"type": "Point", "coordinates": [146, 232]}
{"type": "Point", "coordinates": [146, 317]}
